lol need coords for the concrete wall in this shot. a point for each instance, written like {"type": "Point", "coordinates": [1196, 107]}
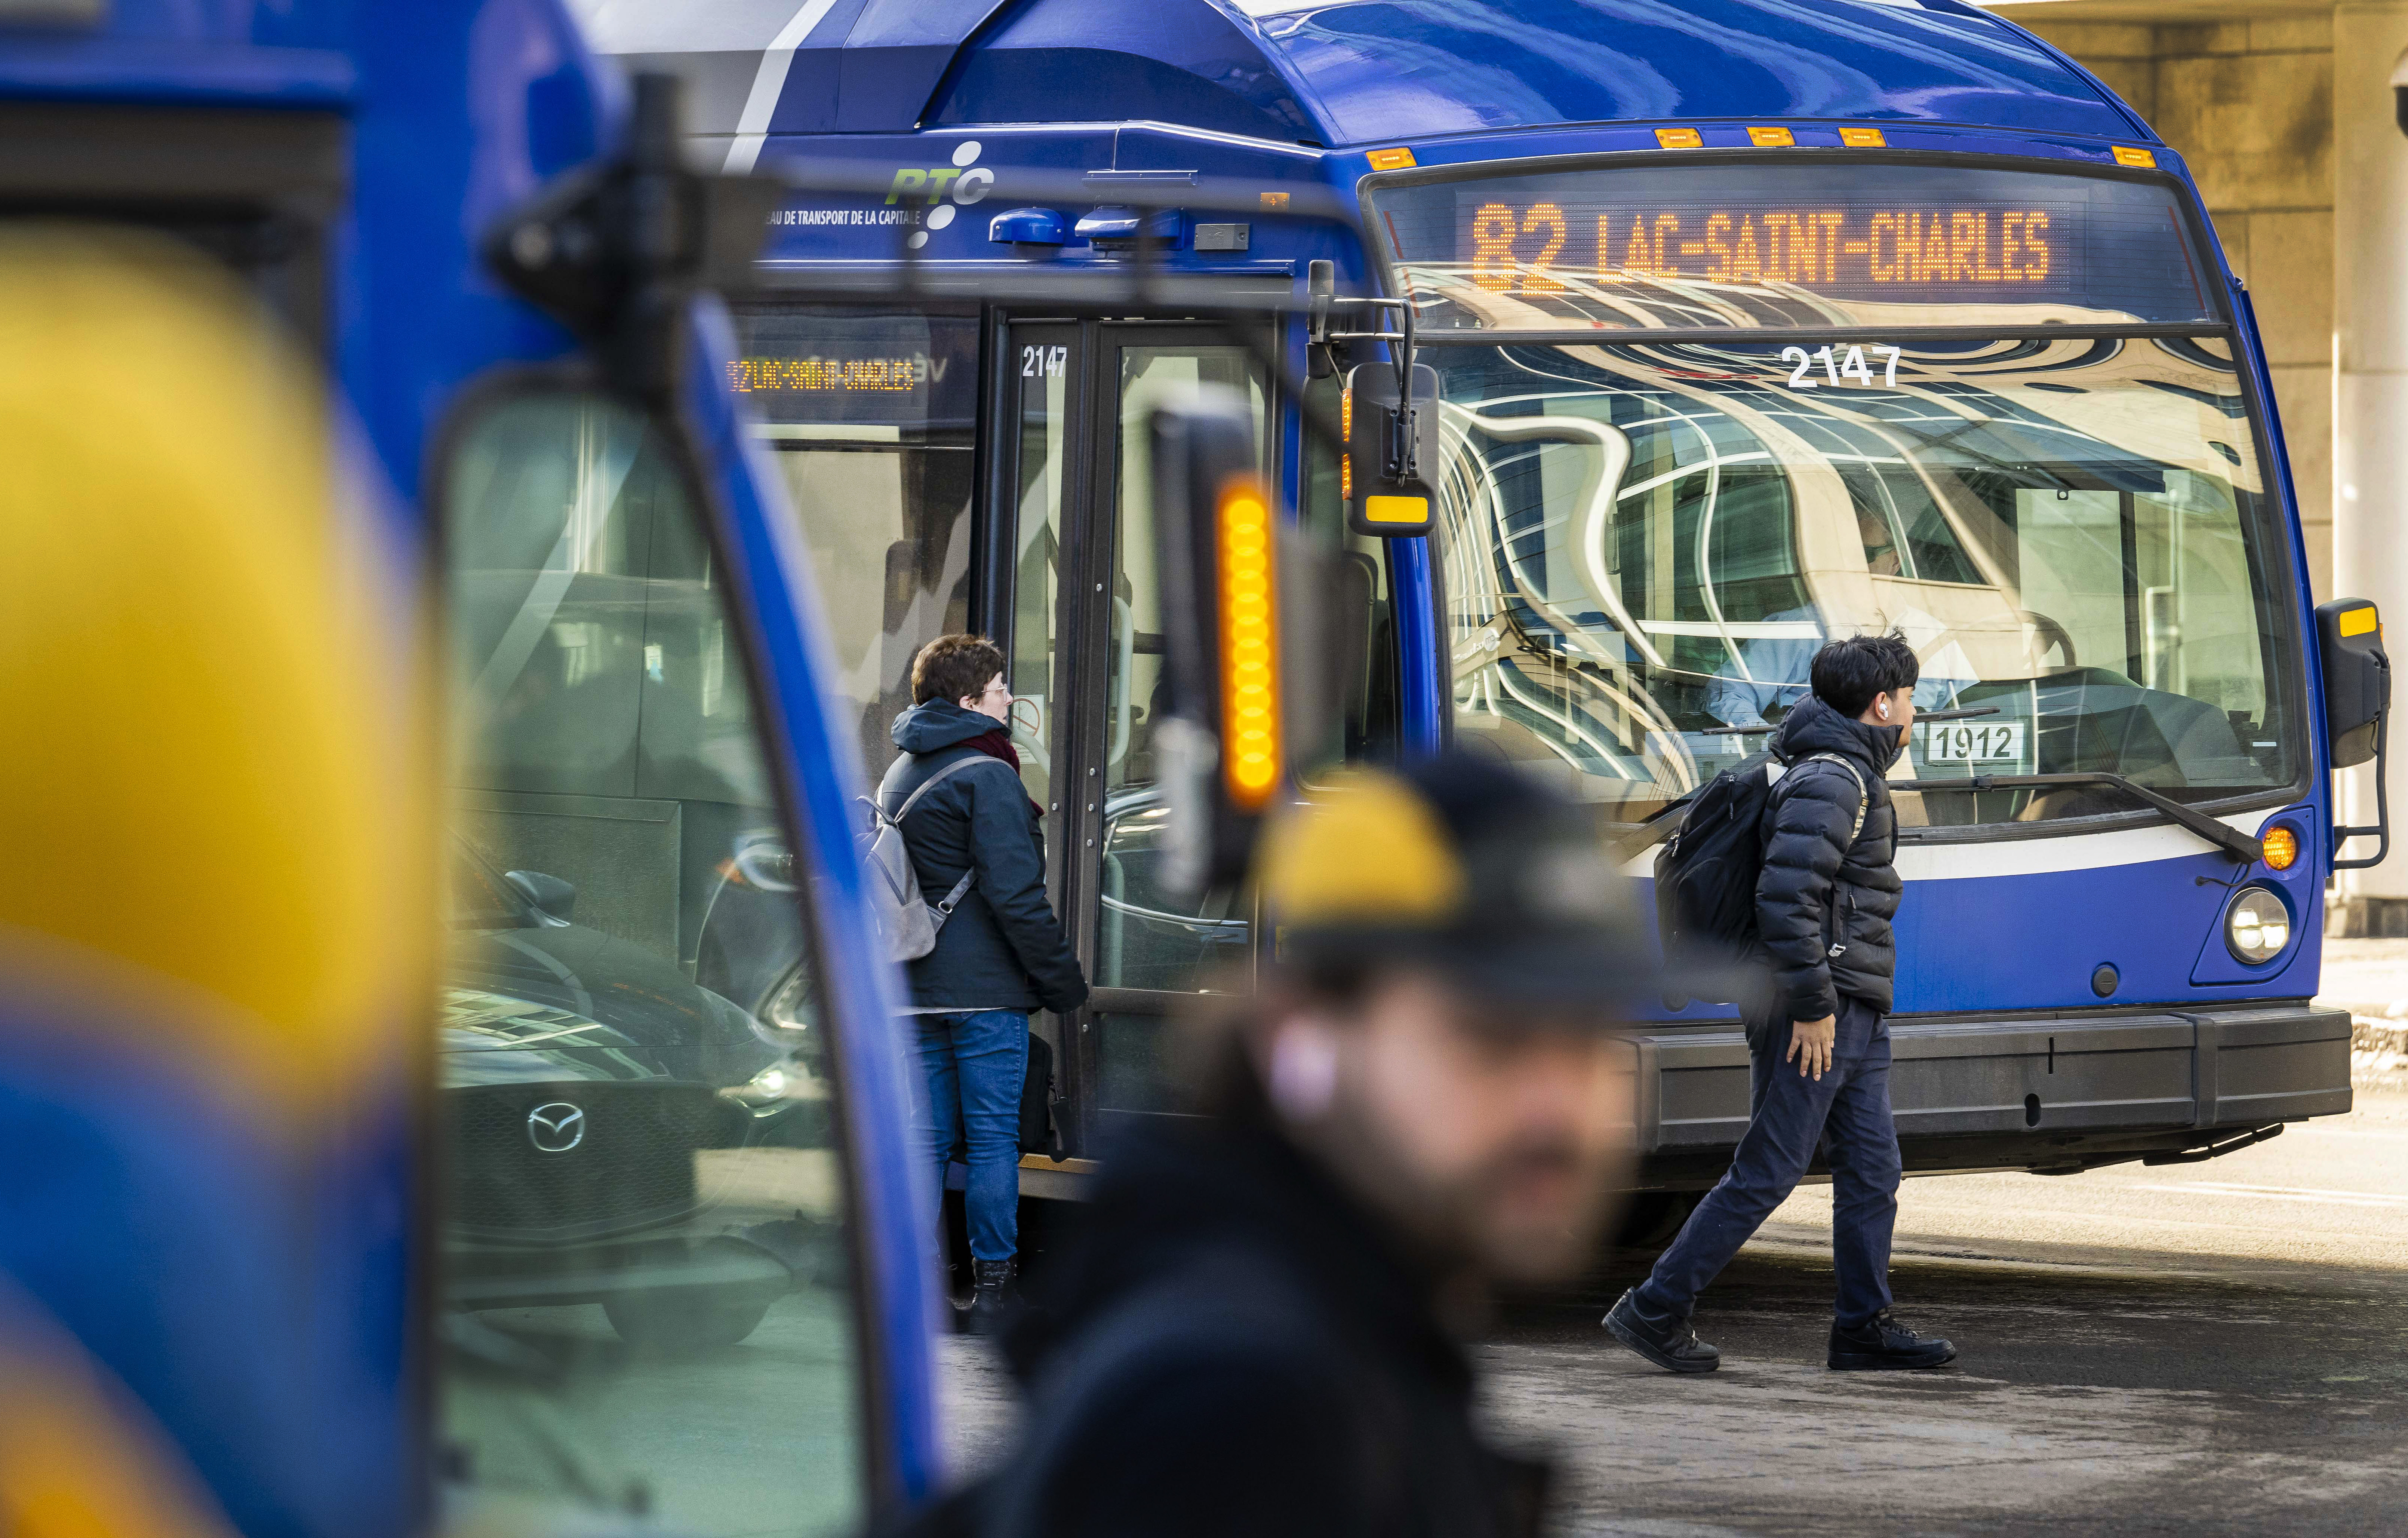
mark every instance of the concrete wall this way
{"type": "Point", "coordinates": [2248, 102]}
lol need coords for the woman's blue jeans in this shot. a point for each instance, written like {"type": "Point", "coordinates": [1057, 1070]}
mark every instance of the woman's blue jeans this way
{"type": "Point", "coordinates": [975, 1065]}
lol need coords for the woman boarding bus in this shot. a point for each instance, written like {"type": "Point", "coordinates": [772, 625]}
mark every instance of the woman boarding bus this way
{"type": "Point", "coordinates": [1746, 325]}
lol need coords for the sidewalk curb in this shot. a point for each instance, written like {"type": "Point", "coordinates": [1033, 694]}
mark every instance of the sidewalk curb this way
{"type": "Point", "coordinates": [2378, 1042]}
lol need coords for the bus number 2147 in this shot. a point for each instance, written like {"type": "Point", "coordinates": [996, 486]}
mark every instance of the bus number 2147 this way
{"type": "Point", "coordinates": [1838, 369]}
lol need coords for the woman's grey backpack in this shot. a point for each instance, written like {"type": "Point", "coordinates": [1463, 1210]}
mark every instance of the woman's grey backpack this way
{"type": "Point", "coordinates": [906, 921]}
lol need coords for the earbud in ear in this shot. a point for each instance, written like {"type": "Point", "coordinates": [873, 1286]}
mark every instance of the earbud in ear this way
{"type": "Point", "coordinates": [1303, 1070]}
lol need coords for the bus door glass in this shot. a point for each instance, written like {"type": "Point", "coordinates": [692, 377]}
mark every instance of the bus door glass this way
{"type": "Point", "coordinates": [1087, 665]}
{"type": "Point", "coordinates": [645, 1315]}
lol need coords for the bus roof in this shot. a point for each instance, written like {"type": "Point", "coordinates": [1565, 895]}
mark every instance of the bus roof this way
{"type": "Point", "coordinates": [1349, 72]}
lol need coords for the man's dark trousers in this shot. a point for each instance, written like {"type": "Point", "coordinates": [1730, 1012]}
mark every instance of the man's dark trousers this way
{"type": "Point", "coordinates": [1848, 1111]}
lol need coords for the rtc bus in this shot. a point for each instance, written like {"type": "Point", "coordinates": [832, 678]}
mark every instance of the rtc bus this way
{"type": "Point", "coordinates": [1752, 323]}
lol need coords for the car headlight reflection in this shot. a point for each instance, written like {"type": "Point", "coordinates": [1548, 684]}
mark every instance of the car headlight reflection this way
{"type": "Point", "coordinates": [2257, 926]}
{"type": "Point", "coordinates": [778, 1088]}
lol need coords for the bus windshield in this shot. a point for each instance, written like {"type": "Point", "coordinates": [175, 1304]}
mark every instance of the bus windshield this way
{"type": "Point", "coordinates": [1643, 543]}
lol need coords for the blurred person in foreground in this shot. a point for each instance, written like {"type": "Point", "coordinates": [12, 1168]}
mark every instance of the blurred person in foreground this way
{"type": "Point", "coordinates": [1258, 1329]}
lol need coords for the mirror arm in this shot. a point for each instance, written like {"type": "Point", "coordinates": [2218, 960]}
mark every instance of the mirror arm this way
{"type": "Point", "coordinates": [2381, 831]}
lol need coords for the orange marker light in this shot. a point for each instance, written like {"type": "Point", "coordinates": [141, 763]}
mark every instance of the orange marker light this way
{"type": "Point", "coordinates": [2282, 848]}
{"type": "Point", "coordinates": [1390, 160]}
{"type": "Point", "coordinates": [1862, 138]}
{"type": "Point", "coordinates": [1771, 138]}
{"type": "Point", "coordinates": [1249, 703]}
{"type": "Point", "coordinates": [1679, 138]}
{"type": "Point", "coordinates": [2142, 158]}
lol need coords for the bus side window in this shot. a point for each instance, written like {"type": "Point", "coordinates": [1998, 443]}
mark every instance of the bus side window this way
{"type": "Point", "coordinates": [871, 416]}
{"type": "Point", "coordinates": [1366, 628]}
{"type": "Point", "coordinates": [643, 1223]}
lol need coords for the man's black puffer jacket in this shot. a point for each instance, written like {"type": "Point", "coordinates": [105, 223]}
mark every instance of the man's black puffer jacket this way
{"type": "Point", "coordinates": [1817, 890]}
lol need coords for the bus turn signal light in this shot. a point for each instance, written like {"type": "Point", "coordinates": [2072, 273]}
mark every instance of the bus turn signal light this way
{"type": "Point", "coordinates": [1250, 702]}
{"type": "Point", "coordinates": [2282, 846]}
{"type": "Point", "coordinates": [2145, 159]}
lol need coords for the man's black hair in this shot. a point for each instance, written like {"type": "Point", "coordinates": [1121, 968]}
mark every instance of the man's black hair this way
{"type": "Point", "coordinates": [1847, 674]}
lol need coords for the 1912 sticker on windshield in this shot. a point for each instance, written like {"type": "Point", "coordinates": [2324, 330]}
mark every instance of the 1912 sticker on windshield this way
{"type": "Point", "coordinates": [1840, 370]}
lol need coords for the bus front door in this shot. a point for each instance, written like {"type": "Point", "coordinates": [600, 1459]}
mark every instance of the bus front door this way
{"type": "Point", "coordinates": [1086, 648]}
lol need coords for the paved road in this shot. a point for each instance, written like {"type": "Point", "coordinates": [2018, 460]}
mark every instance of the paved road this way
{"type": "Point", "coordinates": [2210, 1348]}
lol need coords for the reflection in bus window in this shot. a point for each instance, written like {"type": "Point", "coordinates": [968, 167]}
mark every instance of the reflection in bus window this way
{"type": "Point", "coordinates": [1644, 546]}
{"type": "Point", "coordinates": [1044, 377]}
{"type": "Point", "coordinates": [644, 1310]}
{"type": "Point", "coordinates": [871, 416]}
{"type": "Point", "coordinates": [1146, 938]}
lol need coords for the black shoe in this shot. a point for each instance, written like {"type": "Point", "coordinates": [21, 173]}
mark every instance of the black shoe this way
{"type": "Point", "coordinates": [1672, 1346]}
{"type": "Point", "coordinates": [1884, 1343]}
{"type": "Point", "coordinates": [994, 1301]}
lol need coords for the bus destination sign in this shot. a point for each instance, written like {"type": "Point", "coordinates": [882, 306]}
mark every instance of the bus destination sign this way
{"type": "Point", "coordinates": [1812, 245]}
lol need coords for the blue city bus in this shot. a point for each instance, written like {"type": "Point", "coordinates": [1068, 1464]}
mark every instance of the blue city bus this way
{"type": "Point", "coordinates": [1749, 324]}
{"type": "Point", "coordinates": [411, 654]}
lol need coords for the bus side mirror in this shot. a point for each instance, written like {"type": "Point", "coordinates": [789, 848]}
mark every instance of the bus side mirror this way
{"type": "Point", "coordinates": [1247, 641]}
{"type": "Point", "coordinates": [2357, 710]}
{"type": "Point", "coordinates": [2357, 677]}
{"type": "Point", "coordinates": [1392, 452]}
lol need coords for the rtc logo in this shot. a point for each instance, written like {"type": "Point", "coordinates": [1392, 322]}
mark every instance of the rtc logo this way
{"type": "Point", "coordinates": [940, 189]}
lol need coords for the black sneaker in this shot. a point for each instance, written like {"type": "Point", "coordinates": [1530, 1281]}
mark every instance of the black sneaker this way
{"type": "Point", "coordinates": [1883, 1343]}
{"type": "Point", "coordinates": [1672, 1346]}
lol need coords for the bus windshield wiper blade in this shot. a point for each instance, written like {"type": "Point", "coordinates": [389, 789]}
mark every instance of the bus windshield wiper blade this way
{"type": "Point", "coordinates": [2240, 846]}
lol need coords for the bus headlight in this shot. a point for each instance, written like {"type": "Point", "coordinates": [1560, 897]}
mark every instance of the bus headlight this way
{"type": "Point", "coordinates": [2257, 926]}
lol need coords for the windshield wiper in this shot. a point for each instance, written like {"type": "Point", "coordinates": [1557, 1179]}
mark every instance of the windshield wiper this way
{"type": "Point", "coordinates": [2240, 846]}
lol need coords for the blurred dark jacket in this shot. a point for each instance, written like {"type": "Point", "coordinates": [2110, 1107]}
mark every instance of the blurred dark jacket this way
{"type": "Point", "coordinates": [1232, 1345]}
{"type": "Point", "coordinates": [1824, 901]}
{"type": "Point", "coordinates": [1003, 949]}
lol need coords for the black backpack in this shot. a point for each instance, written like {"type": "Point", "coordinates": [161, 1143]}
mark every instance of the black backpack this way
{"type": "Point", "coordinates": [1705, 874]}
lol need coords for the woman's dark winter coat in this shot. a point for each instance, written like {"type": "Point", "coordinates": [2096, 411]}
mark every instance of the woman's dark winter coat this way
{"type": "Point", "coordinates": [1823, 902]}
{"type": "Point", "coordinates": [1003, 949]}
{"type": "Point", "coordinates": [1231, 1344]}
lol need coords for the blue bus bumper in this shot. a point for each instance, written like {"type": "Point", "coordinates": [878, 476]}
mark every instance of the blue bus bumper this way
{"type": "Point", "coordinates": [2059, 1091]}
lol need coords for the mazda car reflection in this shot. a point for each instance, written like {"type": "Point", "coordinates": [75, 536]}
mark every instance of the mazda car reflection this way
{"type": "Point", "coordinates": [592, 1090]}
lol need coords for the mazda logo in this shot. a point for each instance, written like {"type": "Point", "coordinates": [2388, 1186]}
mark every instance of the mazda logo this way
{"type": "Point", "coordinates": [557, 1128]}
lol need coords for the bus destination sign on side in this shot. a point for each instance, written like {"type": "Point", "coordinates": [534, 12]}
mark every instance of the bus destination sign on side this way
{"type": "Point", "coordinates": [1811, 245]}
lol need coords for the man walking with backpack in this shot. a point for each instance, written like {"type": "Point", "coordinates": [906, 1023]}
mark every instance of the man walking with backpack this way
{"type": "Point", "coordinates": [974, 838]}
{"type": "Point", "coordinates": [1819, 1051]}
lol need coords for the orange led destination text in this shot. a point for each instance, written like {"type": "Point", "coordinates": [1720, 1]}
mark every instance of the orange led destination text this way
{"type": "Point", "coordinates": [1531, 250]}
{"type": "Point", "coordinates": [826, 374]}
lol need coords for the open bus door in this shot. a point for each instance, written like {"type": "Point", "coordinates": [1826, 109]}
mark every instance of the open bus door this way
{"type": "Point", "coordinates": [1089, 675]}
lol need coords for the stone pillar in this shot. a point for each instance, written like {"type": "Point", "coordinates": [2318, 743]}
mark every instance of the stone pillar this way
{"type": "Point", "coordinates": [2370, 400]}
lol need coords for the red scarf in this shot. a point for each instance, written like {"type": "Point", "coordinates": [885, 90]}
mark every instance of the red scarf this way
{"type": "Point", "coordinates": [995, 743]}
